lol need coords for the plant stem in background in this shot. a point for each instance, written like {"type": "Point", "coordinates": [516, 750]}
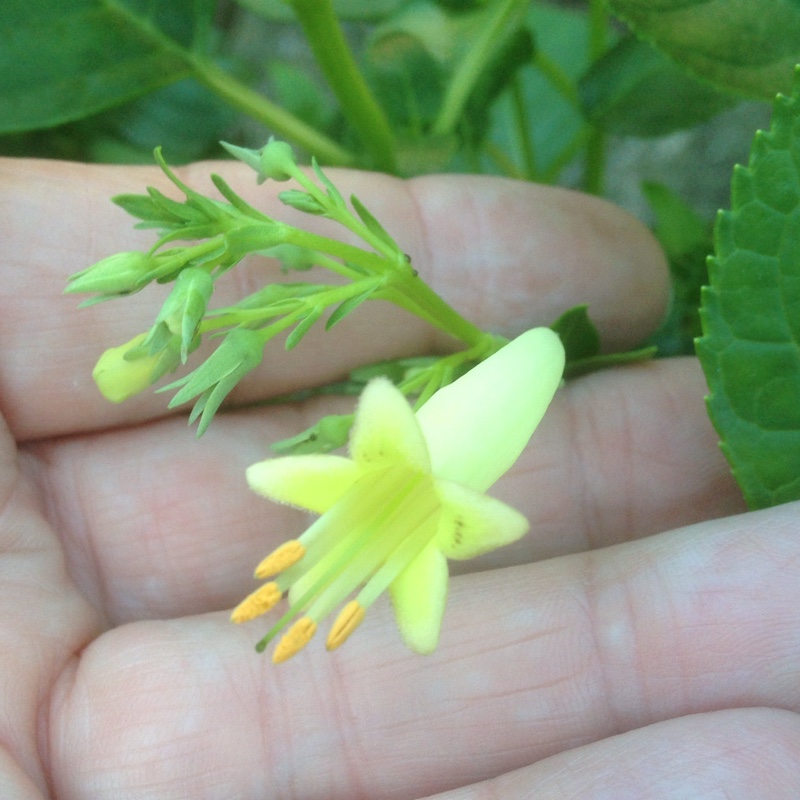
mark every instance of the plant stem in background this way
{"type": "Point", "coordinates": [596, 144]}
{"type": "Point", "coordinates": [471, 66]}
{"type": "Point", "coordinates": [326, 39]}
{"type": "Point", "coordinates": [524, 130]}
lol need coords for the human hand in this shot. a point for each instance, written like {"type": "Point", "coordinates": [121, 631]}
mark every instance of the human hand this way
{"type": "Point", "coordinates": [591, 659]}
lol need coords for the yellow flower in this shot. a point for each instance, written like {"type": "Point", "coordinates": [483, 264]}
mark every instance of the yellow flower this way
{"type": "Point", "coordinates": [409, 497]}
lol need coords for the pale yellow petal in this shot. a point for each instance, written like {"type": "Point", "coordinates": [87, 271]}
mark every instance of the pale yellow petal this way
{"type": "Point", "coordinates": [419, 594]}
{"type": "Point", "coordinates": [385, 430]}
{"type": "Point", "coordinates": [476, 427]}
{"type": "Point", "coordinates": [313, 482]}
{"type": "Point", "coordinates": [472, 523]}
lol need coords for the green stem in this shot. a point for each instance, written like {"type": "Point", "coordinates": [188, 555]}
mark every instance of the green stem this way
{"type": "Point", "coordinates": [596, 144]}
{"type": "Point", "coordinates": [324, 34]}
{"type": "Point", "coordinates": [415, 296]}
{"type": "Point", "coordinates": [562, 82]}
{"type": "Point", "coordinates": [524, 132]}
{"type": "Point", "coordinates": [471, 66]}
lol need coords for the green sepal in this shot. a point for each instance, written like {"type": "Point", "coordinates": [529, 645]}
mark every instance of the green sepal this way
{"type": "Point", "coordinates": [351, 304]}
{"type": "Point", "coordinates": [240, 352]}
{"type": "Point", "coordinates": [328, 434]}
{"type": "Point", "coordinates": [372, 224]}
{"type": "Point", "coordinates": [303, 326]}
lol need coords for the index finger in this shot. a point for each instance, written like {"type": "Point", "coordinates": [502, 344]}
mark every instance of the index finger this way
{"type": "Point", "coordinates": [507, 255]}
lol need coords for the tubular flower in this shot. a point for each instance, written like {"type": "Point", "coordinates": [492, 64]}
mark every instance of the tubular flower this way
{"type": "Point", "coordinates": [410, 496]}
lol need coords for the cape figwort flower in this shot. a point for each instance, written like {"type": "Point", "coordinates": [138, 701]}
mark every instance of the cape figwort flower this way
{"type": "Point", "coordinates": [409, 497]}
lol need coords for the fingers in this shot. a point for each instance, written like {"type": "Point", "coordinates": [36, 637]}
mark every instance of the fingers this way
{"type": "Point", "coordinates": [44, 621]}
{"type": "Point", "coordinates": [158, 524]}
{"type": "Point", "coordinates": [534, 661]}
{"type": "Point", "coordinates": [507, 254]}
{"type": "Point", "coordinates": [737, 754]}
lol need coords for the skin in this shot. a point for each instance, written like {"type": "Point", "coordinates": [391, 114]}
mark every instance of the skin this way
{"type": "Point", "coordinates": [641, 641]}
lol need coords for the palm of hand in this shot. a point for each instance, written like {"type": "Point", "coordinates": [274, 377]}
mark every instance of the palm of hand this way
{"type": "Point", "coordinates": [123, 541]}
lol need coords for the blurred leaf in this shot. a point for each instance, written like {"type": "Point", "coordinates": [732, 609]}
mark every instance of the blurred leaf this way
{"type": "Point", "coordinates": [582, 345]}
{"type": "Point", "coordinates": [295, 91]}
{"type": "Point", "coordinates": [412, 56]}
{"type": "Point", "coordinates": [515, 52]}
{"type": "Point", "coordinates": [751, 315]}
{"type": "Point", "coordinates": [185, 118]}
{"type": "Point", "coordinates": [361, 10]}
{"type": "Point", "coordinates": [63, 60]}
{"type": "Point", "coordinates": [746, 46]}
{"type": "Point", "coordinates": [561, 35]}
{"type": "Point", "coordinates": [687, 241]}
{"type": "Point", "coordinates": [678, 226]}
{"type": "Point", "coordinates": [635, 90]}
{"type": "Point", "coordinates": [578, 334]}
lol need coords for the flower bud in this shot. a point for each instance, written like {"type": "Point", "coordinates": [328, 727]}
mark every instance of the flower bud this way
{"type": "Point", "coordinates": [277, 160]}
{"type": "Point", "coordinates": [119, 377]}
{"type": "Point", "coordinates": [302, 201]}
{"type": "Point", "coordinates": [186, 305]}
{"type": "Point", "coordinates": [121, 273]}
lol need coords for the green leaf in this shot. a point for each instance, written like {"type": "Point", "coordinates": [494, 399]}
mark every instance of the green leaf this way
{"type": "Point", "coordinates": [62, 61]}
{"type": "Point", "coordinates": [687, 241]}
{"type": "Point", "coordinates": [750, 349]}
{"type": "Point", "coordinates": [635, 90]}
{"type": "Point", "coordinates": [745, 46]}
{"type": "Point", "coordinates": [582, 345]}
{"type": "Point", "coordinates": [578, 334]}
{"type": "Point", "coordinates": [561, 37]}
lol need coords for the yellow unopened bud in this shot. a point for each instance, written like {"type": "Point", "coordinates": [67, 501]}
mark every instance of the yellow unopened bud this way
{"type": "Point", "coordinates": [118, 378]}
{"type": "Point", "coordinates": [294, 640]}
{"type": "Point", "coordinates": [280, 559]}
{"type": "Point", "coordinates": [350, 617]}
{"type": "Point", "coordinates": [257, 603]}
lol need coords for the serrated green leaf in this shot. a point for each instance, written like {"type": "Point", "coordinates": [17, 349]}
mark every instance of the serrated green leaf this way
{"type": "Point", "coordinates": [61, 61]}
{"type": "Point", "coordinates": [745, 46]}
{"type": "Point", "coordinates": [750, 349]}
{"type": "Point", "coordinates": [635, 90]}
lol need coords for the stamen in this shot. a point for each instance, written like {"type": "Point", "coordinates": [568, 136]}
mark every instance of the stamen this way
{"type": "Point", "coordinates": [294, 640]}
{"type": "Point", "coordinates": [350, 617]}
{"type": "Point", "coordinates": [257, 603]}
{"type": "Point", "coordinates": [282, 558]}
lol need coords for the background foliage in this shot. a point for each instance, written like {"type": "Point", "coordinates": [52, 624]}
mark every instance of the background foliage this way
{"type": "Point", "coordinates": [531, 89]}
